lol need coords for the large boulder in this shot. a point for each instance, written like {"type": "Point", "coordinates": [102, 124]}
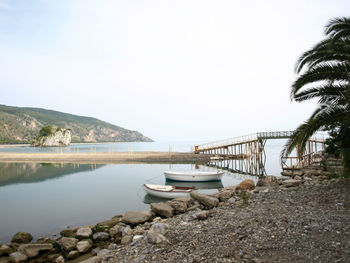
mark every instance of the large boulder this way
{"type": "Point", "coordinates": [116, 231]}
{"type": "Point", "coordinates": [206, 200]}
{"type": "Point", "coordinates": [162, 209]}
{"type": "Point", "coordinates": [156, 238]}
{"type": "Point", "coordinates": [135, 218]}
{"type": "Point", "coordinates": [84, 246]}
{"type": "Point", "coordinates": [100, 236]}
{"type": "Point", "coordinates": [18, 257]}
{"type": "Point", "coordinates": [84, 232]}
{"type": "Point", "coordinates": [69, 232]}
{"type": "Point", "coordinates": [225, 195]}
{"type": "Point", "coordinates": [268, 181]}
{"type": "Point", "coordinates": [291, 183]}
{"type": "Point", "coordinates": [73, 254]}
{"type": "Point", "coordinates": [69, 243]}
{"type": "Point", "coordinates": [179, 206]}
{"type": "Point", "coordinates": [32, 250]}
{"type": "Point", "coordinates": [22, 237]}
{"type": "Point", "coordinates": [110, 222]}
{"type": "Point", "coordinates": [247, 184]}
{"type": "Point", "coordinates": [5, 250]}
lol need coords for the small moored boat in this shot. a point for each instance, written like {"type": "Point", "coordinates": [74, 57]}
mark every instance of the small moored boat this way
{"type": "Point", "coordinates": [167, 191]}
{"type": "Point", "coordinates": [197, 176]}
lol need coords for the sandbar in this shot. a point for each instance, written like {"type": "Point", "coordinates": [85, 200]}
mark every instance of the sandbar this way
{"type": "Point", "coordinates": [106, 157]}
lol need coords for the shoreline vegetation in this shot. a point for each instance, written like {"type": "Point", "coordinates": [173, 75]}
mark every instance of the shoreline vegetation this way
{"type": "Point", "coordinates": [105, 157]}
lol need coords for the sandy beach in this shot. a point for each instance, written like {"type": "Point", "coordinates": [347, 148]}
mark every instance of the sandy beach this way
{"type": "Point", "coordinates": [105, 157]}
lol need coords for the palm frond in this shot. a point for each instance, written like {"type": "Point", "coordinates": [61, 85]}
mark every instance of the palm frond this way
{"type": "Point", "coordinates": [323, 72]}
{"type": "Point", "coordinates": [330, 89]}
{"type": "Point", "coordinates": [304, 132]}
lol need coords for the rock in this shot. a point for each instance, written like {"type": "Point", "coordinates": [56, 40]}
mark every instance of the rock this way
{"type": "Point", "coordinates": [138, 231]}
{"type": "Point", "coordinates": [160, 228]}
{"type": "Point", "coordinates": [135, 218]}
{"type": "Point", "coordinates": [225, 195]}
{"type": "Point", "coordinates": [22, 237]}
{"type": "Point", "coordinates": [232, 200]}
{"type": "Point", "coordinates": [200, 215]}
{"type": "Point", "coordinates": [69, 232]}
{"type": "Point", "coordinates": [84, 232]}
{"type": "Point", "coordinates": [136, 238]}
{"type": "Point", "coordinates": [18, 257]}
{"type": "Point", "coordinates": [247, 184]}
{"type": "Point", "coordinates": [111, 222]}
{"type": "Point", "coordinates": [291, 183]}
{"type": "Point", "coordinates": [60, 137]}
{"type": "Point", "coordinates": [162, 209]}
{"type": "Point", "coordinates": [112, 246]}
{"type": "Point", "coordinates": [261, 182]}
{"type": "Point", "coordinates": [179, 206]}
{"type": "Point", "coordinates": [126, 231]}
{"type": "Point", "coordinates": [156, 238]}
{"type": "Point", "coordinates": [194, 207]}
{"type": "Point", "coordinates": [95, 251]}
{"type": "Point", "coordinates": [187, 200]}
{"type": "Point", "coordinates": [73, 254]}
{"type": "Point", "coordinates": [206, 200]}
{"type": "Point", "coordinates": [100, 236]}
{"type": "Point", "coordinates": [33, 250]}
{"type": "Point", "coordinates": [116, 231]}
{"type": "Point", "coordinates": [84, 246]}
{"type": "Point", "coordinates": [95, 259]}
{"type": "Point", "coordinates": [69, 243]}
{"type": "Point", "coordinates": [59, 259]}
{"type": "Point", "coordinates": [5, 250]}
{"type": "Point", "coordinates": [126, 240]}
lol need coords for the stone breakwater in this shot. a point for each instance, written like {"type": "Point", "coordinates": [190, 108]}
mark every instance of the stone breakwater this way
{"type": "Point", "coordinates": [277, 220]}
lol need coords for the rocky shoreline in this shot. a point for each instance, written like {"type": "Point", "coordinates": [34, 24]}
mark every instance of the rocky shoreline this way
{"type": "Point", "coordinates": [278, 220]}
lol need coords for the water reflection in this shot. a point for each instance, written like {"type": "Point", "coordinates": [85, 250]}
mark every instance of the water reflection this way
{"type": "Point", "coordinates": [241, 166]}
{"type": "Point", "coordinates": [149, 199]}
{"type": "Point", "coordinates": [15, 173]}
{"type": "Point", "coordinates": [197, 185]}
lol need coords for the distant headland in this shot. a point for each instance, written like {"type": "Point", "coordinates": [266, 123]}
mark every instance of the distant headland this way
{"type": "Point", "coordinates": [19, 125]}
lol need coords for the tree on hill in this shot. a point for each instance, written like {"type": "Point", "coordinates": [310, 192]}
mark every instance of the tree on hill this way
{"type": "Point", "coordinates": [324, 74]}
{"type": "Point", "coordinates": [46, 131]}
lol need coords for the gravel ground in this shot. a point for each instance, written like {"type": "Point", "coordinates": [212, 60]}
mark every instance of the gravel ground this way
{"type": "Point", "coordinates": [306, 224]}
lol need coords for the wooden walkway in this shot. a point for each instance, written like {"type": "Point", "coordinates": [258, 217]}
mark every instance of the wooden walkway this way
{"type": "Point", "coordinates": [251, 149]}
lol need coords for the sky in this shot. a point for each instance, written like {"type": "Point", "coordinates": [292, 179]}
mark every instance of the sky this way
{"type": "Point", "coordinates": [191, 70]}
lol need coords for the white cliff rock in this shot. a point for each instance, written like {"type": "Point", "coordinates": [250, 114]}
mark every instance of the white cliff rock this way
{"type": "Point", "coordinates": [61, 137]}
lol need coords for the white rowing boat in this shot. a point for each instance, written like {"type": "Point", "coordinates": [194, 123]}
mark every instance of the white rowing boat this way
{"type": "Point", "coordinates": [167, 191]}
{"type": "Point", "coordinates": [197, 176]}
{"type": "Point", "coordinates": [197, 185]}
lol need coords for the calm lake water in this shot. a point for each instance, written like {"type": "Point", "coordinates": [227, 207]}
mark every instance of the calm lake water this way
{"type": "Point", "coordinates": [45, 198]}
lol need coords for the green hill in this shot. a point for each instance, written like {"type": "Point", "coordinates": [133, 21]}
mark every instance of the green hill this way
{"type": "Point", "coordinates": [21, 125]}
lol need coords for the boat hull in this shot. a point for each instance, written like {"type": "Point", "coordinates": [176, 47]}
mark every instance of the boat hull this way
{"type": "Point", "coordinates": [197, 185]}
{"type": "Point", "coordinates": [193, 176]}
{"type": "Point", "coordinates": [166, 194]}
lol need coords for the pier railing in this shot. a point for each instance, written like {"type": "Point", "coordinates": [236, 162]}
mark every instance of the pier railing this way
{"type": "Point", "coordinates": [250, 138]}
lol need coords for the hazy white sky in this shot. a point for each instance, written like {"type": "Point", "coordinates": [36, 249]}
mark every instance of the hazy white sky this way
{"type": "Point", "coordinates": [173, 70]}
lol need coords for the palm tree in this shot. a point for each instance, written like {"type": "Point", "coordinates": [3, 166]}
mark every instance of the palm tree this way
{"type": "Point", "coordinates": [324, 74]}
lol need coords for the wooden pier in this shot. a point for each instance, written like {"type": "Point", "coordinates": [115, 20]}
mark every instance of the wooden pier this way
{"type": "Point", "coordinates": [250, 152]}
